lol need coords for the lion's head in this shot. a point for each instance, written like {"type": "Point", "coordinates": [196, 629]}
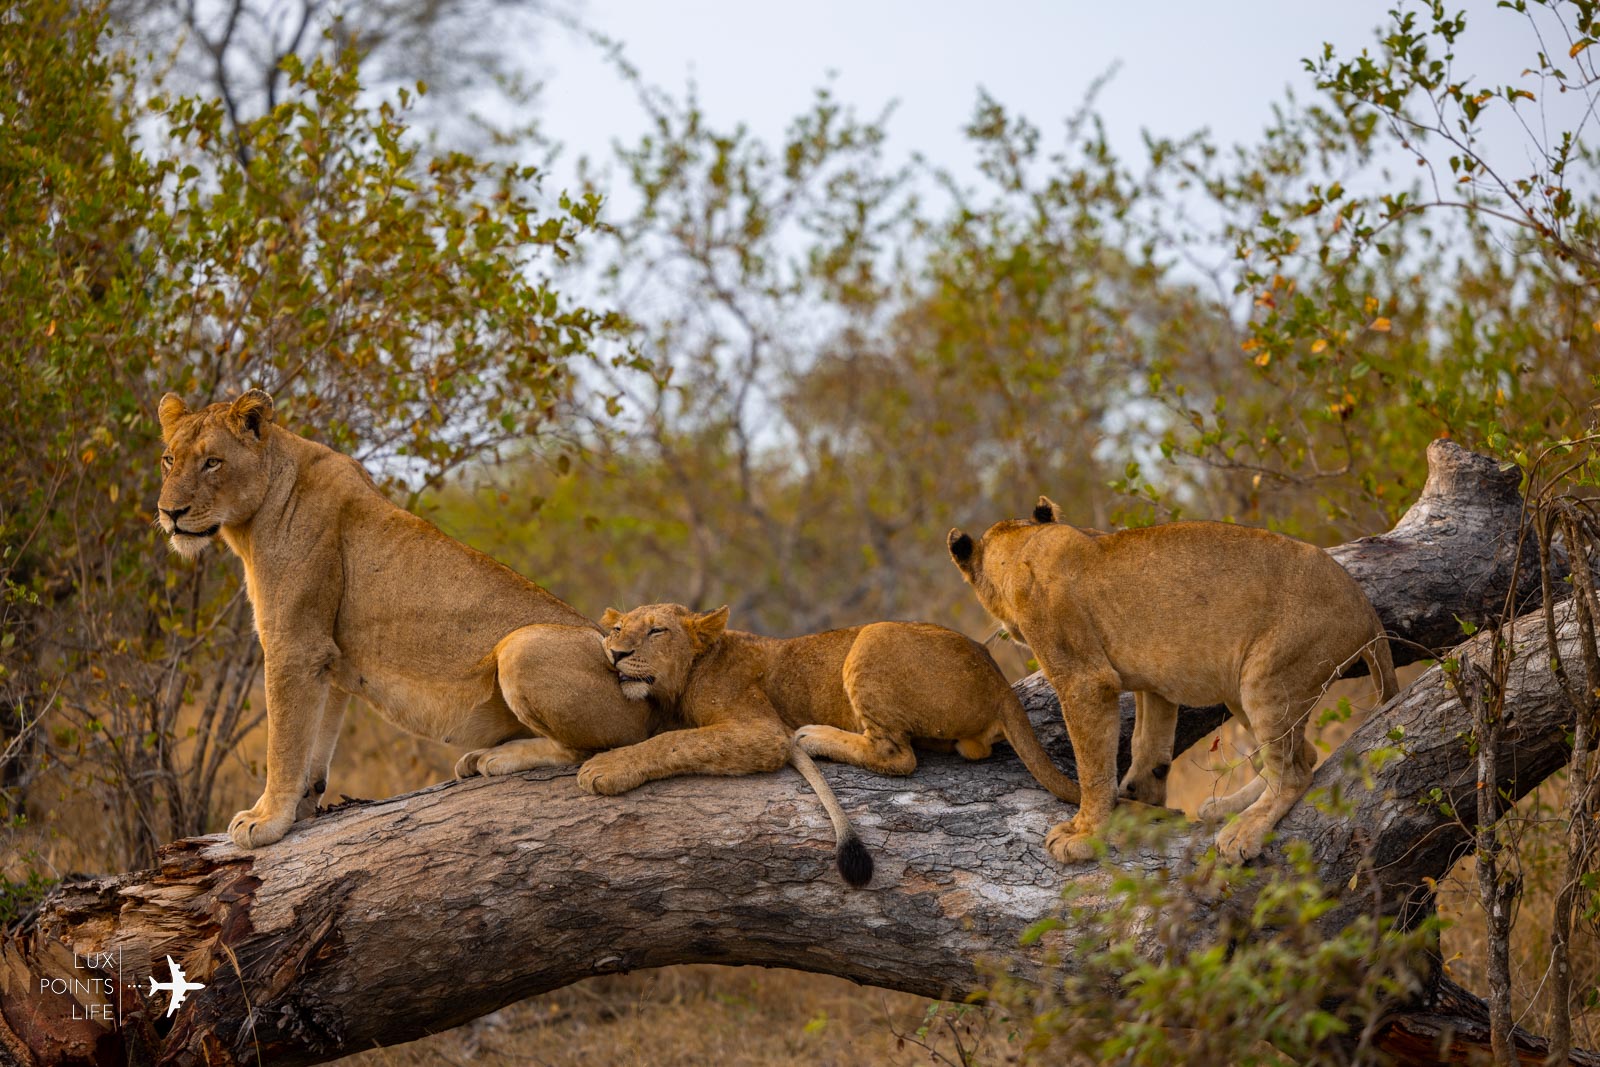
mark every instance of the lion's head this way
{"type": "Point", "coordinates": [983, 562]}
{"type": "Point", "coordinates": [652, 648]}
{"type": "Point", "coordinates": [214, 467]}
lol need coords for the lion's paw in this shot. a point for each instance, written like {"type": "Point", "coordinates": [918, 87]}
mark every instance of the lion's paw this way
{"type": "Point", "coordinates": [495, 762]}
{"type": "Point", "coordinates": [470, 763]}
{"type": "Point", "coordinates": [814, 740]}
{"type": "Point", "coordinates": [608, 774]}
{"type": "Point", "coordinates": [1144, 787]}
{"type": "Point", "coordinates": [259, 826]}
{"type": "Point", "coordinates": [311, 802]}
{"type": "Point", "coordinates": [1241, 840]}
{"type": "Point", "coordinates": [1067, 844]}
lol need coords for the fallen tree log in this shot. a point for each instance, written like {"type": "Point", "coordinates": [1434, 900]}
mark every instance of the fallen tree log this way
{"type": "Point", "coordinates": [382, 922]}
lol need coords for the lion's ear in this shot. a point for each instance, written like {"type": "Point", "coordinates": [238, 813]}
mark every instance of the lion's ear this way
{"type": "Point", "coordinates": [168, 412]}
{"type": "Point", "coordinates": [1046, 510]}
{"type": "Point", "coordinates": [709, 626]}
{"type": "Point", "coordinates": [252, 410]}
{"type": "Point", "coordinates": [611, 617]}
{"type": "Point", "coordinates": [960, 548]}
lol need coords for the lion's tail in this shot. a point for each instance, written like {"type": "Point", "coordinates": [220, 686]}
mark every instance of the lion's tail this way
{"type": "Point", "coordinates": [1019, 731]}
{"type": "Point", "coordinates": [1380, 661]}
{"type": "Point", "coordinates": [855, 863]}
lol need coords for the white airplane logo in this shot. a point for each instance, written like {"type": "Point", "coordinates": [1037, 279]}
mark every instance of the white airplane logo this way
{"type": "Point", "coordinates": [179, 986]}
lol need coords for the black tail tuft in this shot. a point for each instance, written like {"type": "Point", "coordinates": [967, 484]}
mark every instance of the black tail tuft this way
{"type": "Point", "coordinates": [855, 863]}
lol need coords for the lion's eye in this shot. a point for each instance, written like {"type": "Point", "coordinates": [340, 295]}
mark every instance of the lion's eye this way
{"type": "Point", "coordinates": [616, 629]}
{"type": "Point", "coordinates": [213, 463]}
{"type": "Point", "coordinates": [656, 630]}
{"type": "Point", "coordinates": [166, 462]}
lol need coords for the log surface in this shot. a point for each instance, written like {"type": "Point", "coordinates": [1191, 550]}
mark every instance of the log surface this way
{"type": "Point", "coordinates": [382, 922]}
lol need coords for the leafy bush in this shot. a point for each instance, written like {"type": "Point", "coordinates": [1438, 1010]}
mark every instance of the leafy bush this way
{"type": "Point", "coordinates": [397, 305]}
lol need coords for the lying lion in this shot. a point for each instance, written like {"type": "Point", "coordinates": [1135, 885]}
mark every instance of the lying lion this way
{"type": "Point", "coordinates": [861, 695]}
{"type": "Point", "coordinates": [354, 594]}
{"type": "Point", "coordinates": [1190, 613]}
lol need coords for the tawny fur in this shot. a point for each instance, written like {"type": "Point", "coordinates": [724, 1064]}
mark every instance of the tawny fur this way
{"type": "Point", "coordinates": [1193, 613]}
{"type": "Point", "coordinates": [861, 695]}
{"type": "Point", "coordinates": [355, 595]}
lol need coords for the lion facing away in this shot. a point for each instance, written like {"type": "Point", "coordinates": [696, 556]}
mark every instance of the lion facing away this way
{"type": "Point", "coordinates": [860, 695]}
{"type": "Point", "coordinates": [356, 595]}
{"type": "Point", "coordinates": [1193, 613]}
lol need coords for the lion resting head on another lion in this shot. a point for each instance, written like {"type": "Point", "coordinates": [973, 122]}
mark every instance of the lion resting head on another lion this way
{"type": "Point", "coordinates": [861, 695]}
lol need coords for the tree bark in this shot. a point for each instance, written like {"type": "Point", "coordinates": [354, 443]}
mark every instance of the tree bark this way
{"type": "Point", "coordinates": [381, 922]}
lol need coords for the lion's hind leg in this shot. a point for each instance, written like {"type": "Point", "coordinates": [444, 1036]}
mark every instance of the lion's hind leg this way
{"type": "Point", "coordinates": [874, 750]}
{"type": "Point", "coordinates": [322, 746]}
{"type": "Point", "coordinates": [1280, 714]}
{"type": "Point", "coordinates": [518, 754]}
{"type": "Point", "coordinates": [1155, 724]}
{"type": "Point", "coordinates": [980, 745]}
{"type": "Point", "coordinates": [1218, 808]}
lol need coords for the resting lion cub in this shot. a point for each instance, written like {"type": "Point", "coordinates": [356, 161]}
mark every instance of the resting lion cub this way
{"type": "Point", "coordinates": [858, 695]}
{"type": "Point", "coordinates": [1191, 613]}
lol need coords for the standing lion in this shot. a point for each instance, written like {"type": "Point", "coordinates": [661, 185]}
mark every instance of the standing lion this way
{"type": "Point", "coordinates": [1193, 613]}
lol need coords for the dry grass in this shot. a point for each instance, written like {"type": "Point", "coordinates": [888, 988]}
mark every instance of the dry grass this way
{"type": "Point", "coordinates": [689, 1016]}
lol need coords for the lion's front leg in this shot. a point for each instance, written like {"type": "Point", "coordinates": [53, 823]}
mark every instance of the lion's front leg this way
{"type": "Point", "coordinates": [729, 748]}
{"type": "Point", "coordinates": [1089, 705]}
{"type": "Point", "coordinates": [518, 754]}
{"type": "Point", "coordinates": [297, 694]}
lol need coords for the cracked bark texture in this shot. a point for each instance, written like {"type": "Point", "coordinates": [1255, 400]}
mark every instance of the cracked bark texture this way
{"type": "Point", "coordinates": [381, 922]}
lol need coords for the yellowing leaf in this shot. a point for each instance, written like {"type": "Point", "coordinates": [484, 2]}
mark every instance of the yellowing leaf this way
{"type": "Point", "coordinates": [1580, 46]}
{"type": "Point", "coordinates": [1319, 345]}
{"type": "Point", "coordinates": [1381, 325]}
{"type": "Point", "coordinates": [1263, 359]}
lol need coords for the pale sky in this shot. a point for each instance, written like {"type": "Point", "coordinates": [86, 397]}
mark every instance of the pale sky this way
{"type": "Point", "coordinates": [1184, 65]}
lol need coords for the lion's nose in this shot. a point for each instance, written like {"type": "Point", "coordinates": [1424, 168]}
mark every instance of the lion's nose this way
{"type": "Point", "coordinates": [174, 513]}
{"type": "Point", "coordinates": [618, 655]}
